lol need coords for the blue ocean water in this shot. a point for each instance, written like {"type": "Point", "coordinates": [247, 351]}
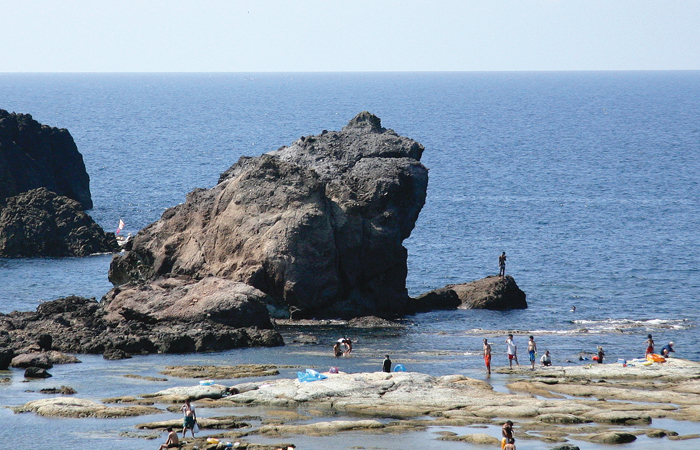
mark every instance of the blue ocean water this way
{"type": "Point", "coordinates": [588, 180]}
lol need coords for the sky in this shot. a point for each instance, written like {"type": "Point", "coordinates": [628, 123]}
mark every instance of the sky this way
{"type": "Point", "coordinates": [347, 35]}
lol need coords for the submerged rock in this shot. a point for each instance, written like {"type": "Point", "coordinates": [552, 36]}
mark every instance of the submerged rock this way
{"type": "Point", "coordinates": [222, 372]}
{"type": "Point", "coordinates": [79, 408]}
{"type": "Point", "coordinates": [41, 223]}
{"type": "Point", "coordinates": [492, 292]}
{"type": "Point", "coordinates": [33, 155]}
{"type": "Point", "coordinates": [317, 226]}
{"type": "Point", "coordinates": [32, 360]}
{"type": "Point", "coordinates": [36, 372]}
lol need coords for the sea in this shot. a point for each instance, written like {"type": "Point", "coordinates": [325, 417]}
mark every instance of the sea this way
{"type": "Point", "coordinates": [589, 181]}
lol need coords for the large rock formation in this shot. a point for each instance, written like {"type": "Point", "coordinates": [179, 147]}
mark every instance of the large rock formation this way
{"type": "Point", "coordinates": [80, 325]}
{"type": "Point", "coordinates": [317, 226]}
{"type": "Point", "coordinates": [41, 223]}
{"type": "Point", "coordinates": [492, 292]}
{"type": "Point", "coordinates": [33, 155]}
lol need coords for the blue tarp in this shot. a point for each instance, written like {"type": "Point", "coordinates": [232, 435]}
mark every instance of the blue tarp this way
{"type": "Point", "coordinates": [310, 375]}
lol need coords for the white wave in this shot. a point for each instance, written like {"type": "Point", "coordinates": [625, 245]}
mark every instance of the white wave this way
{"type": "Point", "coordinates": [625, 324]}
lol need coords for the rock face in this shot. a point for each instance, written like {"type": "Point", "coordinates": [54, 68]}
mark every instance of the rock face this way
{"type": "Point", "coordinates": [41, 223]}
{"type": "Point", "coordinates": [493, 292]}
{"type": "Point", "coordinates": [317, 226]}
{"type": "Point", "coordinates": [33, 155]}
{"type": "Point", "coordinates": [80, 325]}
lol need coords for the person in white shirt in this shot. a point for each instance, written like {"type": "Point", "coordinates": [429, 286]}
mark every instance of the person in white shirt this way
{"type": "Point", "coordinates": [512, 351]}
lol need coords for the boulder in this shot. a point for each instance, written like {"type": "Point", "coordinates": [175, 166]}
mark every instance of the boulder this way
{"type": "Point", "coordinates": [612, 437]}
{"type": "Point", "coordinates": [36, 372]}
{"type": "Point", "coordinates": [493, 292]}
{"type": "Point", "coordinates": [6, 355]}
{"type": "Point", "coordinates": [32, 360]}
{"type": "Point", "coordinates": [33, 155]}
{"type": "Point", "coordinates": [114, 354]}
{"type": "Point", "coordinates": [317, 226]}
{"type": "Point", "coordinates": [475, 438]}
{"type": "Point", "coordinates": [373, 322]}
{"type": "Point", "coordinates": [182, 299]}
{"type": "Point", "coordinates": [63, 390]}
{"type": "Point", "coordinates": [40, 223]}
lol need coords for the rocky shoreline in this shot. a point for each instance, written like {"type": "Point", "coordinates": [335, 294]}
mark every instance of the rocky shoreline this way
{"type": "Point", "coordinates": [608, 404]}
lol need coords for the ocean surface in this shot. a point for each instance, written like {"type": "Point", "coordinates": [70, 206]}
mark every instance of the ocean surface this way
{"type": "Point", "coordinates": [589, 181]}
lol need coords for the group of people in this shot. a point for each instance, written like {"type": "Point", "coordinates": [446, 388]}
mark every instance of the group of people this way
{"type": "Point", "coordinates": [346, 343]}
{"type": "Point", "coordinates": [666, 350]}
{"type": "Point", "coordinates": [512, 351]}
{"type": "Point", "coordinates": [546, 358]}
{"type": "Point", "coordinates": [189, 422]}
{"type": "Point", "coordinates": [507, 440]}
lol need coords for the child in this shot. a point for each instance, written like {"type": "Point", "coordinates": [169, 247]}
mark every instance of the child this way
{"type": "Point", "coordinates": [650, 346]}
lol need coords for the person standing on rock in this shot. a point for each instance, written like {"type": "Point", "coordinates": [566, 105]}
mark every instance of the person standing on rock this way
{"type": "Point", "coordinates": [190, 418]}
{"type": "Point", "coordinates": [532, 351]}
{"type": "Point", "coordinates": [650, 346]}
{"type": "Point", "coordinates": [512, 351]}
{"type": "Point", "coordinates": [502, 265]}
{"type": "Point", "coordinates": [386, 365]}
{"type": "Point", "coordinates": [487, 356]}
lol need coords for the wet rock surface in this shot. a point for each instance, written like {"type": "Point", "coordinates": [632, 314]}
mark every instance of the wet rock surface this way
{"type": "Point", "coordinates": [418, 402]}
{"type": "Point", "coordinates": [71, 407]}
{"type": "Point", "coordinates": [223, 372]}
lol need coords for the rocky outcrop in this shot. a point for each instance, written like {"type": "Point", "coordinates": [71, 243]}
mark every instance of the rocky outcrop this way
{"type": "Point", "coordinates": [33, 155]}
{"type": "Point", "coordinates": [181, 299]}
{"type": "Point", "coordinates": [492, 292]}
{"type": "Point", "coordinates": [40, 223]}
{"type": "Point", "coordinates": [80, 325]}
{"type": "Point", "coordinates": [317, 226]}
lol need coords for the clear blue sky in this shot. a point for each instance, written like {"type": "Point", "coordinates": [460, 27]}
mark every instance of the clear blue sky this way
{"type": "Point", "coordinates": [347, 35]}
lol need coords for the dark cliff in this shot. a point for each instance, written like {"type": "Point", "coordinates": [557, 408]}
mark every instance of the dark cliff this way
{"type": "Point", "coordinates": [33, 155]}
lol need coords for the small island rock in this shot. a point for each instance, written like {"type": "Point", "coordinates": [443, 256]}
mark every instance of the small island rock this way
{"type": "Point", "coordinates": [493, 292]}
{"type": "Point", "coordinates": [317, 226]}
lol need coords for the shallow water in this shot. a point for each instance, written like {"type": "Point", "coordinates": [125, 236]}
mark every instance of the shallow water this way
{"type": "Point", "coordinates": [589, 181]}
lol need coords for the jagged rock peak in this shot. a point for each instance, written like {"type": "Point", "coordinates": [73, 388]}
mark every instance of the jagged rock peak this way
{"type": "Point", "coordinates": [365, 119]}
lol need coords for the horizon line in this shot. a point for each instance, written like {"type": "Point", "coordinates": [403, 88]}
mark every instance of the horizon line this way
{"type": "Point", "coordinates": [341, 72]}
